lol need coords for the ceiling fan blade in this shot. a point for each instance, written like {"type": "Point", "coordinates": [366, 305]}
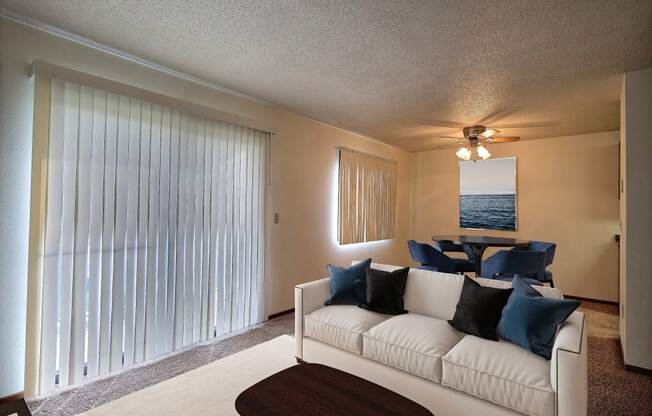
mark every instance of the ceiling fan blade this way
{"type": "Point", "coordinates": [503, 139]}
{"type": "Point", "coordinates": [489, 133]}
{"type": "Point", "coordinates": [430, 138]}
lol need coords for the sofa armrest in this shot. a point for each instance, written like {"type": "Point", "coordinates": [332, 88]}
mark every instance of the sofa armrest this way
{"type": "Point", "coordinates": [568, 366]}
{"type": "Point", "coordinates": [308, 297]}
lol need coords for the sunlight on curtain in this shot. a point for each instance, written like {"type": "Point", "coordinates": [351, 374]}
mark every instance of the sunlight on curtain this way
{"type": "Point", "coordinates": [154, 235]}
{"type": "Point", "coordinates": [366, 197]}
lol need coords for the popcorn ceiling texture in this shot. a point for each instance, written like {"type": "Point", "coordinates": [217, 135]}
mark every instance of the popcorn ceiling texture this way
{"type": "Point", "coordinates": [389, 69]}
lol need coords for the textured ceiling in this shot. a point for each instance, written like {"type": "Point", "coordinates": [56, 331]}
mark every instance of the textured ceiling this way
{"type": "Point", "coordinates": [391, 69]}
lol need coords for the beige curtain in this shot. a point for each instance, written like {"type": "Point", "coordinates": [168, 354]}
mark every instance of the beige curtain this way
{"type": "Point", "coordinates": [367, 197]}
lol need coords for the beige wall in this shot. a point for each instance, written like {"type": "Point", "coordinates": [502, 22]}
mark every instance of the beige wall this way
{"type": "Point", "coordinates": [567, 193]}
{"type": "Point", "coordinates": [636, 218]}
{"type": "Point", "coordinates": [622, 253]}
{"type": "Point", "coordinates": [302, 177]}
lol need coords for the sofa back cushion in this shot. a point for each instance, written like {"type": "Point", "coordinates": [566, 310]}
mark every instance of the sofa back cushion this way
{"type": "Point", "coordinates": [546, 292]}
{"type": "Point", "coordinates": [429, 293]}
{"type": "Point", "coordinates": [436, 294]}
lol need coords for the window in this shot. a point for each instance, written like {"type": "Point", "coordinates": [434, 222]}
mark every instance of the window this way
{"type": "Point", "coordinates": [366, 197]}
{"type": "Point", "coordinates": [153, 232]}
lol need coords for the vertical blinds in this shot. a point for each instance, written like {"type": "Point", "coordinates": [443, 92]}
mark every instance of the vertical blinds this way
{"type": "Point", "coordinates": [154, 232]}
{"type": "Point", "coordinates": [367, 197]}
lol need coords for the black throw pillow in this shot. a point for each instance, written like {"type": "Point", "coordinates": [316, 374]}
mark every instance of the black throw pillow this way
{"type": "Point", "coordinates": [479, 309]}
{"type": "Point", "coordinates": [385, 291]}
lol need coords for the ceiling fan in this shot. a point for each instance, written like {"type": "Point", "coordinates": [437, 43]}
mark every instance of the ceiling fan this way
{"type": "Point", "coordinates": [476, 138]}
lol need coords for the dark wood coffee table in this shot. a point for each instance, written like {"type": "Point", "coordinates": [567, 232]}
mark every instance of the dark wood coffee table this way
{"type": "Point", "coordinates": [316, 390]}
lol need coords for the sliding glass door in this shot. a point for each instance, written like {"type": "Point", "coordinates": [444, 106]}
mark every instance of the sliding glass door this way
{"type": "Point", "coordinates": [154, 232]}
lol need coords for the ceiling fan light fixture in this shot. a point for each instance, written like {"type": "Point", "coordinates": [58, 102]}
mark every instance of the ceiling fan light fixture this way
{"type": "Point", "coordinates": [474, 142]}
{"type": "Point", "coordinates": [464, 153]}
{"type": "Point", "coordinates": [483, 153]}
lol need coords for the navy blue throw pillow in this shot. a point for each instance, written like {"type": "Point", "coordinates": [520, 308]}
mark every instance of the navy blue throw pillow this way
{"type": "Point", "coordinates": [348, 285]}
{"type": "Point", "coordinates": [520, 285]}
{"type": "Point", "coordinates": [531, 321]}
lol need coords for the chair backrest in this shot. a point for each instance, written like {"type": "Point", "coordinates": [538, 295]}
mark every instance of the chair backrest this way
{"type": "Point", "coordinates": [447, 246]}
{"type": "Point", "coordinates": [510, 262]}
{"type": "Point", "coordinates": [427, 255]}
{"type": "Point", "coordinates": [549, 249]}
{"type": "Point", "coordinates": [443, 246]}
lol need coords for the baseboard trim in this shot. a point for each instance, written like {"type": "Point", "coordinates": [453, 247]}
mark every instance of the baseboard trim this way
{"type": "Point", "coordinates": [278, 314]}
{"type": "Point", "coordinates": [635, 369]}
{"type": "Point", "coordinates": [12, 397]}
{"type": "Point", "coordinates": [605, 302]}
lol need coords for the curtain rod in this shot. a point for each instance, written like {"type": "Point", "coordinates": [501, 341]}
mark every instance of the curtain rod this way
{"type": "Point", "coordinates": [366, 153]}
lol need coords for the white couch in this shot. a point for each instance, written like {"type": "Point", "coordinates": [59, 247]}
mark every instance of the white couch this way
{"type": "Point", "coordinates": [420, 356]}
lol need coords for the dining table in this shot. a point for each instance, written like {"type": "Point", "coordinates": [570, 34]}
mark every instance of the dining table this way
{"type": "Point", "coordinates": [479, 244]}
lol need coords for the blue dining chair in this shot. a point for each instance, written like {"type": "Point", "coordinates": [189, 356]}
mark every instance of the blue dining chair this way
{"type": "Point", "coordinates": [430, 258]}
{"type": "Point", "coordinates": [531, 265]}
{"type": "Point", "coordinates": [461, 265]}
{"type": "Point", "coordinates": [549, 249]}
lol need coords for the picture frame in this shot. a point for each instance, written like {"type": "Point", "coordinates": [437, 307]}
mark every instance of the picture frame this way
{"type": "Point", "coordinates": [488, 194]}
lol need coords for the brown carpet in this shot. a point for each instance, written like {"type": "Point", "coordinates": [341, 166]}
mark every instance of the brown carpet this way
{"type": "Point", "coordinates": [78, 399]}
{"type": "Point", "coordinates": [612, 390]}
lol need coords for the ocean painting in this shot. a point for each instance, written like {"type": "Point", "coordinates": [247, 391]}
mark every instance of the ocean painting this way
{"type": "Point", "coordinates": [488, 194]}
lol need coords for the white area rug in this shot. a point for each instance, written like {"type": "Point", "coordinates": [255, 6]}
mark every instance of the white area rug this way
{"type": "Point", "coordinates": [208, 390]}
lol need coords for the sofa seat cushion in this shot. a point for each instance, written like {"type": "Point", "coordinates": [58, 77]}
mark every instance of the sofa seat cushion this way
{"type": "Point", "coordinates": [502, 373]}
{"type": "Point", "coordinates": [341, 326]}
{"type": "Point", "coordinates": [413, 343]}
